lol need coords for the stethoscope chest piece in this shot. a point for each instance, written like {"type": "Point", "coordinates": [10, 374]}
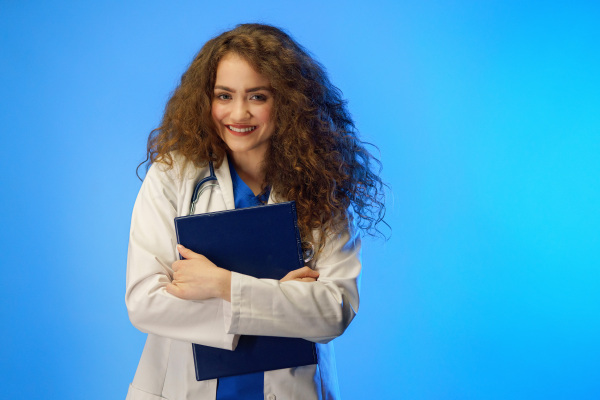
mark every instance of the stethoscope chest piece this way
{"type": "Point", "coordinates": [308, 251]}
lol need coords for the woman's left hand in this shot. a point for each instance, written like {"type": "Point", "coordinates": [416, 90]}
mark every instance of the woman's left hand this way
{"type": "Point", "coordinates": [197, 278]}
{"type": "Point", "coordinates": [304, 274]}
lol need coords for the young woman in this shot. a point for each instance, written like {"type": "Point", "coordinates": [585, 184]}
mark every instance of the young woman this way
{"type": "Point", "coordinates": [257, 110]}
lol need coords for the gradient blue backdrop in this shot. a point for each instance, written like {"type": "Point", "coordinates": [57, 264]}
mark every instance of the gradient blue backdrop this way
{"type": "Point", "coordinates": [487, 117]}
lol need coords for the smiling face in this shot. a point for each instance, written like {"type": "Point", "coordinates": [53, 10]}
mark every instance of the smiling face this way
{"type": "Point", "coordinates": [242, 109]}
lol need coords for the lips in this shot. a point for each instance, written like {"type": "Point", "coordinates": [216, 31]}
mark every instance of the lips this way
{"type": "Point", "coordinates": [241, 130]}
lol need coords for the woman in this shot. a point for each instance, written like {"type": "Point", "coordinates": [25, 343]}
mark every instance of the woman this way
{"type": "Point", "coordinates": [258, 108]}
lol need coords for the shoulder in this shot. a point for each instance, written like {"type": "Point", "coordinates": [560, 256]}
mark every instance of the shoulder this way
{"type": "Point", "coordinates": [343, 240]}
{"type": "Point", "coordinates": [176, 170]}
{"type": "Point", "coordinates": [171, 181]}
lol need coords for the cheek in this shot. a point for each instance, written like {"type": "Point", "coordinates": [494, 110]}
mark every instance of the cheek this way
{"type": "Point", "coordinates": [268, 118]}
{"type": "Point", "coordinates": [217, 116]}
{"type": "Point", "coordinates": [216, 112]}
{"type": "Point", "coordinates": [265, 114]}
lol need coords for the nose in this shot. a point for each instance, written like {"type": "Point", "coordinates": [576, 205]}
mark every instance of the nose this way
{"type": "Point", "coordinates": [240, 111]}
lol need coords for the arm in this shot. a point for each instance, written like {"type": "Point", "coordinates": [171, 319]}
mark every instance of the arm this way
{"type": "Point", "coordinates": [151, 253]}
{"type": "Point", "coordinates": [317, 311]}
{"type": "Point", "coordinates": [296, 306]}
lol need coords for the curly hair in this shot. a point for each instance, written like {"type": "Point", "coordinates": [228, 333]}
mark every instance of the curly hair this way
{"type": "Point", "coordinates": [315, 156]}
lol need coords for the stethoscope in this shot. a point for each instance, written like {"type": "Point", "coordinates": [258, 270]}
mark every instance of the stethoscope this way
{"type": "Point", "coordinates": [308, 249]}
{"type": "Point", "coordinates": [200, 187]}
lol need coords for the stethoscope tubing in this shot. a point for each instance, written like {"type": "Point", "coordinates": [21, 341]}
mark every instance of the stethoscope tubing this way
{"type": "Point", "coordinates": [199, 189]}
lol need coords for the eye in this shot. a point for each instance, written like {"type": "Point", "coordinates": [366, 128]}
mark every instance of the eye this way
{"type": "Point", "coordinates": [258, 97]}
{"type": "Point", "coordinates": [223, 96]}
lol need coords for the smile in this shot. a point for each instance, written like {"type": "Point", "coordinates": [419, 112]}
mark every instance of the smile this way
{"type": "Point", "coordinates": [241, 130]}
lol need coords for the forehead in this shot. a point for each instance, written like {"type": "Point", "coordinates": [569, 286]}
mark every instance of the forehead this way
{"type": "Point", "coordinates": [235, 71]}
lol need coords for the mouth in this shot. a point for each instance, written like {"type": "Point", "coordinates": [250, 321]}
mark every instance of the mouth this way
{"type": "Point", "coordinates": [241, 130]}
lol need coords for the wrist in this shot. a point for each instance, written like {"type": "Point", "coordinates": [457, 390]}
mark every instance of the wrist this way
{"type": "Point", "coordinates": [226, 286]}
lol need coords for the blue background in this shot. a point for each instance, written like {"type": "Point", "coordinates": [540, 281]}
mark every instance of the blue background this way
{"type": "Point", "coordinates": [487, 117]}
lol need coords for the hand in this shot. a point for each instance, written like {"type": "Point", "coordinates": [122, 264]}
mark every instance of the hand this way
{"type": "Point", "coordinates": [304, 274]}
{"type": "Point", "coordinates": [197, 278]}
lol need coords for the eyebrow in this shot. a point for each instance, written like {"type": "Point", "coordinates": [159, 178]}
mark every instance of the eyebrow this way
{"type": "Point", "coordinates": [254, 89]}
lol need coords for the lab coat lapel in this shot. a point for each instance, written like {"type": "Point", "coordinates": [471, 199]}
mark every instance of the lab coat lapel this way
{"type": "Point", "coordinates": [224, 178]}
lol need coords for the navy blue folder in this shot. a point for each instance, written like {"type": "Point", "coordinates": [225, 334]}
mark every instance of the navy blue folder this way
{"type": "Point", "coordinates": [263, 242]}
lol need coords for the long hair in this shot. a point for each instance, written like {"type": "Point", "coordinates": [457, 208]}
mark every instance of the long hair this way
{"type": "Point", "coordinates": [315, 156]}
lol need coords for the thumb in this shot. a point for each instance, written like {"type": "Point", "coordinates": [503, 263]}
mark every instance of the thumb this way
{"type": "Point", "coordinates": [187, 253]}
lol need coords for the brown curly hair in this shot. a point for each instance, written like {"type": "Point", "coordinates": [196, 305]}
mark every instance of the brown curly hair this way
{"type": "Point", "coordinates": [315, 156]}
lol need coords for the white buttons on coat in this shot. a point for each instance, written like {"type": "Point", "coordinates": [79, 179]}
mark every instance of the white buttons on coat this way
{"type": "Point", "coordinates": [271, 396]}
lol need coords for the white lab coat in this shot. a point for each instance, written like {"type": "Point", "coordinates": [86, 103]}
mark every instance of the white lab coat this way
{"type": "Point", "coordinates": [317, 311]}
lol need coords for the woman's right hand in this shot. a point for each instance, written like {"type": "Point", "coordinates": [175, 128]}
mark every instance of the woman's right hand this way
{"type": "Point", "coordinates": [304, 274]}
{"type": "Point", "coordinates": [197, 278]}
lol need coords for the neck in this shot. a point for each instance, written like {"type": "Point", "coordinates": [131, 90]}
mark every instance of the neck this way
{"type": "Point", "coordinates": [250, 171]}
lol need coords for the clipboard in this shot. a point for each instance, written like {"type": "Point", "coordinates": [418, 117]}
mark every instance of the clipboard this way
{"type": "Point", "coordinates": [263, 242]}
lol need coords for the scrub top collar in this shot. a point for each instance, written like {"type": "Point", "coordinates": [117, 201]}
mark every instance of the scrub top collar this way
{"type": "Point", "coordinates": [243, 195]}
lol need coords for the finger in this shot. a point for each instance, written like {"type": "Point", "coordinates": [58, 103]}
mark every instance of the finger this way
{"type": "Point", "coordinates": [187, 253]}
{"type": "Point", "coordinates": [300, 273]}
{"type": "Point", "coordinates": [307, 272]}
{"type": "Point", "coordinates": [174, 290]}
{"type": "Point", "coordinates": [312, 273]}
{"type": "Point", "coordinates": [306, 279]}
{"type": "Point", "coordinates": [295, 274]}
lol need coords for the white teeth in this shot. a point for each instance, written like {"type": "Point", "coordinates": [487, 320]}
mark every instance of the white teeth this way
{"type": "Point", "coordinates": [241, 130]}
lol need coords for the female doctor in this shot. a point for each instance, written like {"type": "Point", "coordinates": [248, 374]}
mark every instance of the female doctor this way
{"type": "Point", "coordinates": [254, 120]}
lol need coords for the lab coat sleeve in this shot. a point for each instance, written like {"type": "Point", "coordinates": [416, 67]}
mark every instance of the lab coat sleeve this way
{"type": "Point", "coordinates": [317, 311]}
{"type": "Point", "coordinates": [151, 253]}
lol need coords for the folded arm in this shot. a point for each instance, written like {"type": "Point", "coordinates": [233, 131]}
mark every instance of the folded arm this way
{"type": "Point", "coordinates": [298, 305]}
{"type": "Point", "coordinates": [149, 270]}
{"type": "Point", "coordinates": [318, 311]}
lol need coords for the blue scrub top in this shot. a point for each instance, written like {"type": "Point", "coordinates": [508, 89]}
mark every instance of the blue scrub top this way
{"type": "Point", "coordinates": [248, 386]}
